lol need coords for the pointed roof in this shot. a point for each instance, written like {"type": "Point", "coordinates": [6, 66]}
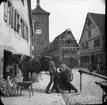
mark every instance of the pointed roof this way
{"type": "Point", "coordinates": [99, 21]}
{"type": "Point", "coordinates": [64, 35]}
{"type": "Point", "coordinates": [39, 10]}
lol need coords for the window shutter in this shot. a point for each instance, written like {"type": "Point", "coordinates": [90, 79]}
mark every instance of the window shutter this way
{"type": "Point", "coordinates": [15, 20]}
{"type": "Point", "coordinates": [10, 12]}
{"type": "Point", "coordinates": [27, 33]}
{"type": "Point", "coordinates": [22, 28]}
{"type": "Point", "coordinates": [5, 11]}
{"type": "Point", "coordinates": [12, 17]}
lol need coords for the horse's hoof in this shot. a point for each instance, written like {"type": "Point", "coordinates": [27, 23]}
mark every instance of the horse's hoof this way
{"type": "Point", "coordinates": [76, 91]}
{"type": "Point", "coordinates": [48, 92]}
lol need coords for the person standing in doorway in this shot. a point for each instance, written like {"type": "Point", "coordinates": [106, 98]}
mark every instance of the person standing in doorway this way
{"type": "Point", "coordinates": [9, 68]}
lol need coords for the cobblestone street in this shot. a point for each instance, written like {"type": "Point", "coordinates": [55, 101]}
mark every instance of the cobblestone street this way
{"type": "Point", "coordinates": [91, 93]}
{"type": "Point", "coordinates": [39, 98]}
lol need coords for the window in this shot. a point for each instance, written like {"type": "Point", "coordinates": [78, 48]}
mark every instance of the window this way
{"type": "Point", "coordinates": [27, 33]}
{"type": "Point", "coordinates": [89, 33]}
{"type": "Point", "coordinates": [17, 26]}
{"type": "Point", "coordinates": [38, 31]}
{"type": "Point", "coordinates": [85, 59]}
{"type": "Point", "coordinates": [5, 11]}
{"type": "Point", "coordinates": [68, 40]}
{"type": "Point", "coordinates": [22, 28]}
{"type": "Point", "coordinates": [69, 32]}
{"type": "Point", "coordinates": [10, 12]}
{"type": "Point", "coordinates": [22, 2]}
{"type": "Point", "coordinates": [88, 22]}
{"type": "Point", "coordinates": [96, 42]}
{"type": "Point", "coordinates": [12, 17]}
{"type": "Point", "coordinates": [85, 45]}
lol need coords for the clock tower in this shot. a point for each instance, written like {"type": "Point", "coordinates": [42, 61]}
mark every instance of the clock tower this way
{"type": "Point", "coordinates": [41, 28]}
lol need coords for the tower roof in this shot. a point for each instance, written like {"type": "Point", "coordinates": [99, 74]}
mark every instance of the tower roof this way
{"type": "Point", "coordinates": [39, 10]}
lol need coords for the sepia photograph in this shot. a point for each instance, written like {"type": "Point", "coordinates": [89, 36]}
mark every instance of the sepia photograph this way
{"type": "Point", "coordinates": [53, 52]}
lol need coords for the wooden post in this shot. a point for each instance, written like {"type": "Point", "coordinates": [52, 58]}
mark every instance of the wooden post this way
{"type": "Point", "coordinates": [89, 73]}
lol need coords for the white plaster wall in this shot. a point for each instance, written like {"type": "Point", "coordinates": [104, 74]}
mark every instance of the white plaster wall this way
{"type": "Point", "coordinates": [10, 38]}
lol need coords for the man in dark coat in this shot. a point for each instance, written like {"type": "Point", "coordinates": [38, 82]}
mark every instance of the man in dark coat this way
{"type": "Point", "coordinates": [64, 79]}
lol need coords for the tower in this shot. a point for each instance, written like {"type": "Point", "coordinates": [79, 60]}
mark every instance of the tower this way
{"type": "Point", "coordinates": [41, 28]}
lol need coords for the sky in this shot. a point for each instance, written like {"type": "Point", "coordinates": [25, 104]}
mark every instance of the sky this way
{"type": "Point", "coordinates": [70, 14]}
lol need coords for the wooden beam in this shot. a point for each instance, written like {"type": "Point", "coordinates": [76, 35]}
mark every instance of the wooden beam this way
{"type": "Point", "coordinates": [93, 74]}
{"type": "Point", "coordinates": [89, 73]}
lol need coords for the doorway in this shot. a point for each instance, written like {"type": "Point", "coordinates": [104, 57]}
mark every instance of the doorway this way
{"type": "Point", "coordinates": [7, 54]}
{"type": "Point", "coordinates": [92, 58]}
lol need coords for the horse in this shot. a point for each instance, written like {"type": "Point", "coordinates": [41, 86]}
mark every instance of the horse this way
{"type": "Point", "coordinates": [36, 65]}
{"type": "Point", "coordinates": [30, 65]}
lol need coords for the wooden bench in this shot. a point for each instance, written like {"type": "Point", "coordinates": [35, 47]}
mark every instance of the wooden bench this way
{"type": "Point", "coordinates": [23, 85]}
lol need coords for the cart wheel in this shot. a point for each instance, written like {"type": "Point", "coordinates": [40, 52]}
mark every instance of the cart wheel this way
{"type": "Point", "coordinates": [5, 85]}
{"type": "Point", "coordinates": [104, 99]}
{"type": "Point", "coordinates": [4, 91]}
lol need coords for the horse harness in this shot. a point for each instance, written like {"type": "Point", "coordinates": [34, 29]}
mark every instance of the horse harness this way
{"type": "Point", "coordinates": [38, 61]}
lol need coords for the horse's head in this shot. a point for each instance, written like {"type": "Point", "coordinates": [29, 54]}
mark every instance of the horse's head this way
{"type": "Point", "coordinates": [15, 58]}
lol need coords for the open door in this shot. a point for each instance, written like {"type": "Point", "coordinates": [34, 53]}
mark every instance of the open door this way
{"type": "Point", "coordinates": [5, 63]}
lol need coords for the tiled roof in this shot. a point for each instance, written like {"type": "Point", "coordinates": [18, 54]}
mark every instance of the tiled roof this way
{"type": "Point", "coordinates": [64, 33]}
{"type": "Point", "coordinates": [39, 10]}
{"type": "Point", "coordinates": [99, 20]}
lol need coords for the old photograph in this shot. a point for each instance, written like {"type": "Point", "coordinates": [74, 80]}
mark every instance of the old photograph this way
{"type": "Point", "coordinates": [53, 52]}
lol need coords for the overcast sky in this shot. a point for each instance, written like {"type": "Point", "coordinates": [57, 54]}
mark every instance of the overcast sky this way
{"type": "Point", "coordinates": [71, 14]}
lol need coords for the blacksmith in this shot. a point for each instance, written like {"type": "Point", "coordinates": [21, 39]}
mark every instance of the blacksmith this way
{"type": "Point", "coordinates": [53, 73]}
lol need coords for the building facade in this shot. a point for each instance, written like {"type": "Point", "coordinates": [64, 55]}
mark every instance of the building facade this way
{"type": "Point", "coordinates": [64, 47]}
{"type": "Point", "coordinates": [15, 30]}
{"type": "Point", "coordinates": [40, 20]}
{"type": "Point", "coordinates": [92, 41]}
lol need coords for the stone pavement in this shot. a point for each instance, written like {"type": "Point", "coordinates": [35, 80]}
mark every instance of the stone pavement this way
{"type": "Point", "coordinates": [90, 94]}
{"type": "Point", "coordinates": [39, 98]}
